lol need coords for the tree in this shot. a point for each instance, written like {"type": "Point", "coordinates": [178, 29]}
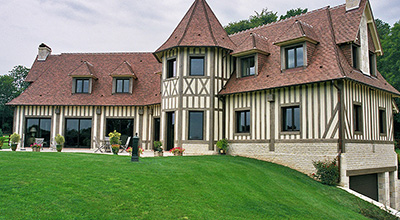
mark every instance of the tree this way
{"type": "Point", "coordinates": [265, 17]}
{"type": "Point", "coordinates": [293, 12]}
{"type": "Point", "coordinates": [11, 86]}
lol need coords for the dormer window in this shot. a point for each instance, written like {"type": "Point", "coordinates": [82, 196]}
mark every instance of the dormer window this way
{"type": "Point", "coordinates": [122, 85]}
{"type": "Point", "coordinates": [82, 85]}
{"type": "Point", "coordinates": [294, 57]}
{"type": "Point", "coordinates": [248, 66]}
{"type": "Point", "coordinates": [171, 68]}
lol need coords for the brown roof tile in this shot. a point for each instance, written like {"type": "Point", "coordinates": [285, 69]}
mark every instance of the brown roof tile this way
{"type": "Point", "coordinates": [124, 69]}
{"type": "Point", "coordinates": [53, 85]}
{"type": "Point", "coordinates": [85, 69]}
{"type": "Point", "coordinates": [199, 27]}
{"type": "Point", "coordinates": [253, 42]}
{"type": "Point", "coordinates": [298, 30]}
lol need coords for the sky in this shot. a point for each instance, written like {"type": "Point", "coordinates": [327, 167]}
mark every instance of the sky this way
{"type": "Point", "coordinates": [76, 26]}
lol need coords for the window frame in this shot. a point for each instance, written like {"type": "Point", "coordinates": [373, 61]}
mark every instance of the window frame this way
{"type": "Point", "coordinates": [241, 68]}
{"type": "Point", "coordinates": [172, 74]}
{"type": "Point", "coordinates": [204, 64]}
{"type": "Point", "coordinates": [355, 56]}
{"type": "Point", "coordinates": [283, 118]}
{"type": "Point", "coordinates": [357, 118]}
{"type": "Point", "coordinates": [238, 124]}
{"type": "Point", "coordinates": [382, 121]}
{"type": "Point", "coordinates": [75, 89]}
{"type": "Point", "coordinates": [202, 127]}
{"type": "Point", "coordinates": [123, 85]}
{"type": "Point", "coordinates": [286, 57]}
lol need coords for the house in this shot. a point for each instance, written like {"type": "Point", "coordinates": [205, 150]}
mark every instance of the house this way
{"type": "Point", "coordinates": [291, 92]}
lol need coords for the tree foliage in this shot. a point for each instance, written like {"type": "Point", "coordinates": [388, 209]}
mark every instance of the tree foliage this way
{"type": "Point", "coordinates": [293, 12]}
{"type": "Point", "coordinates": [256, 20]}
{"type": "Point", "coordinates": [259, 19]}
{"type": "Point", "coordinates": [11, 86]}
{"type": "Point", "coordinates": [389, 63]}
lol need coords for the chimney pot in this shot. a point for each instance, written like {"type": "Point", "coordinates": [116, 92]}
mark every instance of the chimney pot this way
{"type": "Point", "coordinates": [43, 52]}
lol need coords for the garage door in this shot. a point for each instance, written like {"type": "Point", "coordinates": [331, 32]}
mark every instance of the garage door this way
{"type": "Point", "coordinates": [366, 185]}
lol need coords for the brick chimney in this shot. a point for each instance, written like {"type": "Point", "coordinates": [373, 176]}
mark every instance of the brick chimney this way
{"type": "Point", "coordinates": [352, 4]}
{"type": "Point", "coordinates": [44, 52]}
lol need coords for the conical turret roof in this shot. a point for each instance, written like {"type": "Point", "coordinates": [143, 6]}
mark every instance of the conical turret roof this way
{"type": "Point", "coordinates": [199, 27]}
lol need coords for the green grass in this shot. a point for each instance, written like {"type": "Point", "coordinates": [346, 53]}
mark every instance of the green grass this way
{"type": "Point", "coordinates": [5, 144]}
{"type": "Point", "coordinates": [93, 186]}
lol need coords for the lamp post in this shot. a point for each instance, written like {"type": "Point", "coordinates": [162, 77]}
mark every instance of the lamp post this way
{"type": "Point", "coordinates": [135, 149]}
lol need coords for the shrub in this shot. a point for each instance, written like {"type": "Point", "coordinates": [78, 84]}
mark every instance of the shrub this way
{"type": "Point", "coordinates": [115, 137]}
{"type": "Point", "coordinates": [59, 139]}
{"type": "Point", "coordinates": [223, 144]}
{"type": "Point", "coordinates": [158, 146]}
{"type": "Point", "coordinates": [15, 138]}
{"type": "Point", "coordinates": [327, 172]}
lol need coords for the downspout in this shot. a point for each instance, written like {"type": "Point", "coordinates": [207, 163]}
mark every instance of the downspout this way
{"type": "Point", "coordinates": [339, 85]}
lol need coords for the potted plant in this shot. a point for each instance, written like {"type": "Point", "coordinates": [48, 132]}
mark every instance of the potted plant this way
{"type": "Point", "coordinates": [14, 138]}
{"type": "Point", "coordinates": [115, 141]}
{"type": "Point", "coordinates": [177, 151]}
{"type": "Point", "coordinates": [140, 151]}
{"type": "Point", "coordinates": [158, 149]}
{"type": "Point", "coordinates": [223, 146]}
{"type": "Point", "coordinates": [60, 140]}
{"type": "Point", "coordinates": [36, 147]}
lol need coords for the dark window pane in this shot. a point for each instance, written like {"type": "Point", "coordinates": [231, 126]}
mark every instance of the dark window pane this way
{"type": "Point", "coordinates": [355, 57]}
{"type": "Point", "coordinates": [299, 56]}
{"type": "Point", "coordinates": [197, 66]}
{"type": "Point", "coordinates": [291, 118]}
{"type": "Point", "coordinates": [171, 68]}
{"type": "Point", "coordinates": [296, 119]}
{"type": "Point", "coordinates": [126, 85]}
{"type": "Point", "coordinates": [290, 58]}
{"type": "Point", "coordinates": [357, 118]}
{"type": "Point", "coordinates": [382, 121]}
{"type": "Point", "coordinates": [78, 132]}
{"type": "Point", "coordinates": [243, 122]}
{"type": "Point", "coordinates": [196, 125]}
{"type": "Point", "coordinates": [248, 66]}
{"type": "Point", "coordinates": [156, 129]}
{"type": "Point", "coordinates": [123, 126]}
{"type": "Point", "coordinates": [119, 85]}
{"type": "Point", "coordinates": [78, 86]}
{"type": "Point", "coordinates": [85, 88]}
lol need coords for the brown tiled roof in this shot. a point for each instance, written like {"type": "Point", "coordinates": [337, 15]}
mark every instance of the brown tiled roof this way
{"type": "Point", "coordinates": [253, 42]}
{"type": "Point", "coordinates": [52, 84]}
{"type": "Point", "coordinates": [298, 30]}
{"type": "Point", "coordinates": [85, 69]}
{"type": "Point", "coordinates": [327, 62]}
{"type": "Point", "coordinates": [199, 27]}
{"type": "Point", "coordinates": [124, 69]}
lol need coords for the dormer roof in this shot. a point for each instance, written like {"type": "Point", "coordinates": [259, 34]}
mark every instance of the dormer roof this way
{"type": "Point", "coordinates": [253, 43]}
{"type": "Point", "coordinates": [297, 32]}
{"type": "Point", "coordinates": [85, 69]}
{"type": "Point", "coordinates": [199, 27]}
{"type": "Point", "coordinates": [123, 70]}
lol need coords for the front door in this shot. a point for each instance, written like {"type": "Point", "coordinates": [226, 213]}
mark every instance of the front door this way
{"type": "Point", "coordinates": [170, 130]}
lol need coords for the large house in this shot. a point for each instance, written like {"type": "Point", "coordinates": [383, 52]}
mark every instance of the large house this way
{"type": "Point", "coordinates": [291, 92]}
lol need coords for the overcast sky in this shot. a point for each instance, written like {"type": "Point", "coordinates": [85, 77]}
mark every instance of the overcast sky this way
{"type": "Point", "coordinates": [123, 26]}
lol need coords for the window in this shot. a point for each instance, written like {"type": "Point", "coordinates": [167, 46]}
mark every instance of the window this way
{"type": "Point", "coordinates": [123, 126]}
{"type": "Point", "coordinates": [78, 133]}
{"type": "Point", "coordinates": [355, 50]}
{"type": "Point", "coordinates": [357, 112]}
{"type": "Point", "coordinates": [82, 86]}
{"type": "Point", "coordinates": [248, 66]}
{"type": "Point", "coordinates": [294, 57]}
{"type": "Point", "coordinates": [243, 121]}
{"type": "Point", "coordinates": [382, 121]}
{"type": "Point", "coordinates": [122, 85]}
{"type": "Point", "coordinates": [197, 66]}
{"type": "Point", "coordinates": [291, 118]}
{"type": "Point", "coordinates": [372, 64]}
{"type": "Point", "coordinates": [37, 128]}
{"type": "Point", "coordinates": [196, 121]}
{"type": "Point", "coordinates": [171, 68]}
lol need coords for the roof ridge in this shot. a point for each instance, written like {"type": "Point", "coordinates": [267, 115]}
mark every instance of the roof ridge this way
{"type": "Point", "coordinates": [101, 53]}
{"type": "Point", "coordinates": [208, 22]}
{"type": "Point", "coordinates": [276, 22]}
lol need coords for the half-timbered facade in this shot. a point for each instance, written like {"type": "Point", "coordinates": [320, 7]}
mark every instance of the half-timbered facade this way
{"type": "Point", "coordinates": [292, 92]}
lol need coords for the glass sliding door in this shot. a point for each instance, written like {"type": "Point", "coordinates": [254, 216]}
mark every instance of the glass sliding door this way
{"type": "Point", "coordinates": [78, 133]}
{"type": "Point", "coordinates": [37, 128]}
{"type": "Point", "coordinates": [123, 126]}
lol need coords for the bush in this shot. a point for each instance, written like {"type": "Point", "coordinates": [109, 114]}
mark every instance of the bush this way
{"type": "Point", "coordinates": [158, 146]}
{"type": "Point", "coordinates": [60, 140]}
{"type": "Point", "coordinates": [15, 138]}
{"type": "Point", "coordinates": [327, 172]}
{"type": "Point", "coordinates": [223, 144]}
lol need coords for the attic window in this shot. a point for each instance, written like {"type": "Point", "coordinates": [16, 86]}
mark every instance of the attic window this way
{"type": "Point", "coordinates": [81, 85]}
{"type": "Point", "coordinates": [122, 85]}
{"type": "Point", "coordinates": [294, 57]}
{"type": "Point", "coordinates": [248, 66]}
{"type": "Point", "coordinates": [372, 64]}
{"type": "Point", "coordinates": [355, 54]}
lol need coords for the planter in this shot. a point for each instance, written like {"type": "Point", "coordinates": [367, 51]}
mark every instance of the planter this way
{"type": "Point", "coordinates": [36, 149]}
{"type": "Point", "coordinates": [177, 153]}
{"type": "Point", "coordinates": [158, 153]}
{"type": "Point", "coordinates": [14, 147]}
{"type": "Point", "coordinates": [222, 152]}
{"type": "Point", "coordinates": [59, 148]}
{"type": "Point", "coordinates": [115, 148]}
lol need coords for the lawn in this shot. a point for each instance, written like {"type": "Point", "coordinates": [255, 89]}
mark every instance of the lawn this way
{"type": "Point", "coordinates": [37, 185]}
